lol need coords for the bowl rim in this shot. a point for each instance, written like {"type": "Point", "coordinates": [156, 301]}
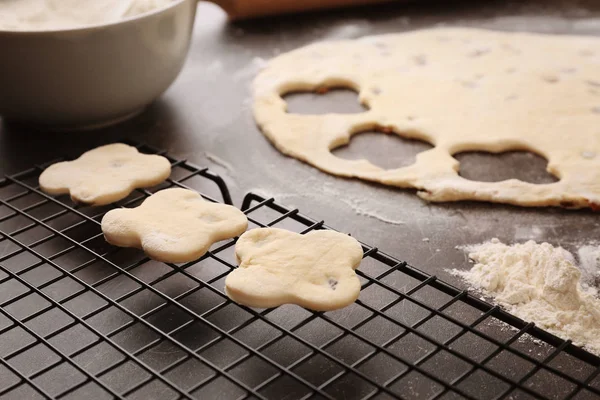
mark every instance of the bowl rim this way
{"type": "Point", "coordinates": [93, 27]}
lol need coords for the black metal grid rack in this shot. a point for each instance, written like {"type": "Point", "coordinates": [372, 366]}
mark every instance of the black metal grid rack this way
{"type": "Point", "coordinates": [82, 319]}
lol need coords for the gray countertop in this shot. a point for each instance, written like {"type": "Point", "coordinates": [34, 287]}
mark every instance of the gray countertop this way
{"type": "Point", "coordinates": [206, 117]}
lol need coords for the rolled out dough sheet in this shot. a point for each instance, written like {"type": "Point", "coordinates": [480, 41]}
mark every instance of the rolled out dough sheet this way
{"type": "Point", "coordinates": [458, 89]}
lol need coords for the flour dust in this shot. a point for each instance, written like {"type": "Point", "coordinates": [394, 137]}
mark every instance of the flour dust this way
{"type": "Point", "coordinates": [542, 284]}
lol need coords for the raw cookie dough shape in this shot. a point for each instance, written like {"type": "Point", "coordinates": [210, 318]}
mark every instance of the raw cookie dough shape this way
{"type": "Point", "coordinates": [276, 267]}
{"type": "Point", "coordinates": [459, 89]}
{"type": "Point", "coordinates": [105, 174]}
{"type": "Point", "coordinates": [173, 225]}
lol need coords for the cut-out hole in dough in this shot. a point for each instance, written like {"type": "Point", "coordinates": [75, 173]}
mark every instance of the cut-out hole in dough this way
{"type": "Point", "coordinates": [334, 100]}
{"type": "Point", "coordinates": [489, 167]}
{"type": "Point", "coordinates": [386, 150]}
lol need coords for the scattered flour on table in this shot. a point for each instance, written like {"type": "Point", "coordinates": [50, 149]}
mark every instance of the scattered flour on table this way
{"type": "Point", "coordinates": [218, 161]}
{"type": "Point", "coordinates": [224, 168]}
{"type": "Point", "coordinates": [349, 30]}
{"type": "Point", "coordinates": [214, 67]}
{"type": "Point", "coordinates": [367, 207]}
{"type": "Point", "coordinates": [362, 207]}
{"type": "Point", "coordinates": [538, 283]}
{"type": "Point", "coordinates": [252, 68]}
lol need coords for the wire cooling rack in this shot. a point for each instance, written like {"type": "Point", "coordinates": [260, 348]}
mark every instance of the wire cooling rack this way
{"type": "Point", "coordinates": [80, 319]}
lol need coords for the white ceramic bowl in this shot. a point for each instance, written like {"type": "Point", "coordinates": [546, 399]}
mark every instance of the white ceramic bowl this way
{"type": "Point", "coordinates": [85, 77]}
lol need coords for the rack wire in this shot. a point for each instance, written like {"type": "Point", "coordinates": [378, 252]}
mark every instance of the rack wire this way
{"type": "Point", "coordinates": [82, 319]}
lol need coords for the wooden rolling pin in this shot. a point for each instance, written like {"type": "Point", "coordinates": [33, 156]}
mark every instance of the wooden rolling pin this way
{"type": "Point", "coordinates": [241, 9]}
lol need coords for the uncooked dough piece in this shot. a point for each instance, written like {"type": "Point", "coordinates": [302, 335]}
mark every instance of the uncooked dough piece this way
{"type": "Point", "coordinates": [276, 267]}
{"type": "Point", "coordinates": [458, 89]}
{"type": "Point", "coordinates": [173, 225]}
{"type": "Point", "coordinates": [105, 174]}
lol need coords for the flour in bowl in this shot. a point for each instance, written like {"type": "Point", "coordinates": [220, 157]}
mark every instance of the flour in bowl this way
{"type": "Point", "coordinates": [40, 15]}
{"type": "Point", "coordinates": [538, 283]}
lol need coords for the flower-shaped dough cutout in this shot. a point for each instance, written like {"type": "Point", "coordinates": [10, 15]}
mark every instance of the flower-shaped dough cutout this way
{"type": "Point", "coordinates": [173, 225]}
{"type": "Point", "coordinates": [276, 267]}
{"type": "Point", "coordinates": [105, 174]}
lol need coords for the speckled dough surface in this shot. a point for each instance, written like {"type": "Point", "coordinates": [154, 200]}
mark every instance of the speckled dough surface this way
{"type": "Point", "coordinates": [458, 89]}
{"type": "Point", "coordinates": [276, 267]}
{"type": "Point", "coordinates": [105, 174]}
{"type": "Point", "coordinates": [173, 225]}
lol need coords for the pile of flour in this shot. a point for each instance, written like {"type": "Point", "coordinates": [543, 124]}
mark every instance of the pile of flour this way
{"type": "Point", "coordinates": [35, 15]}
{"type": "Point", "coordinates": [538, 283]}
